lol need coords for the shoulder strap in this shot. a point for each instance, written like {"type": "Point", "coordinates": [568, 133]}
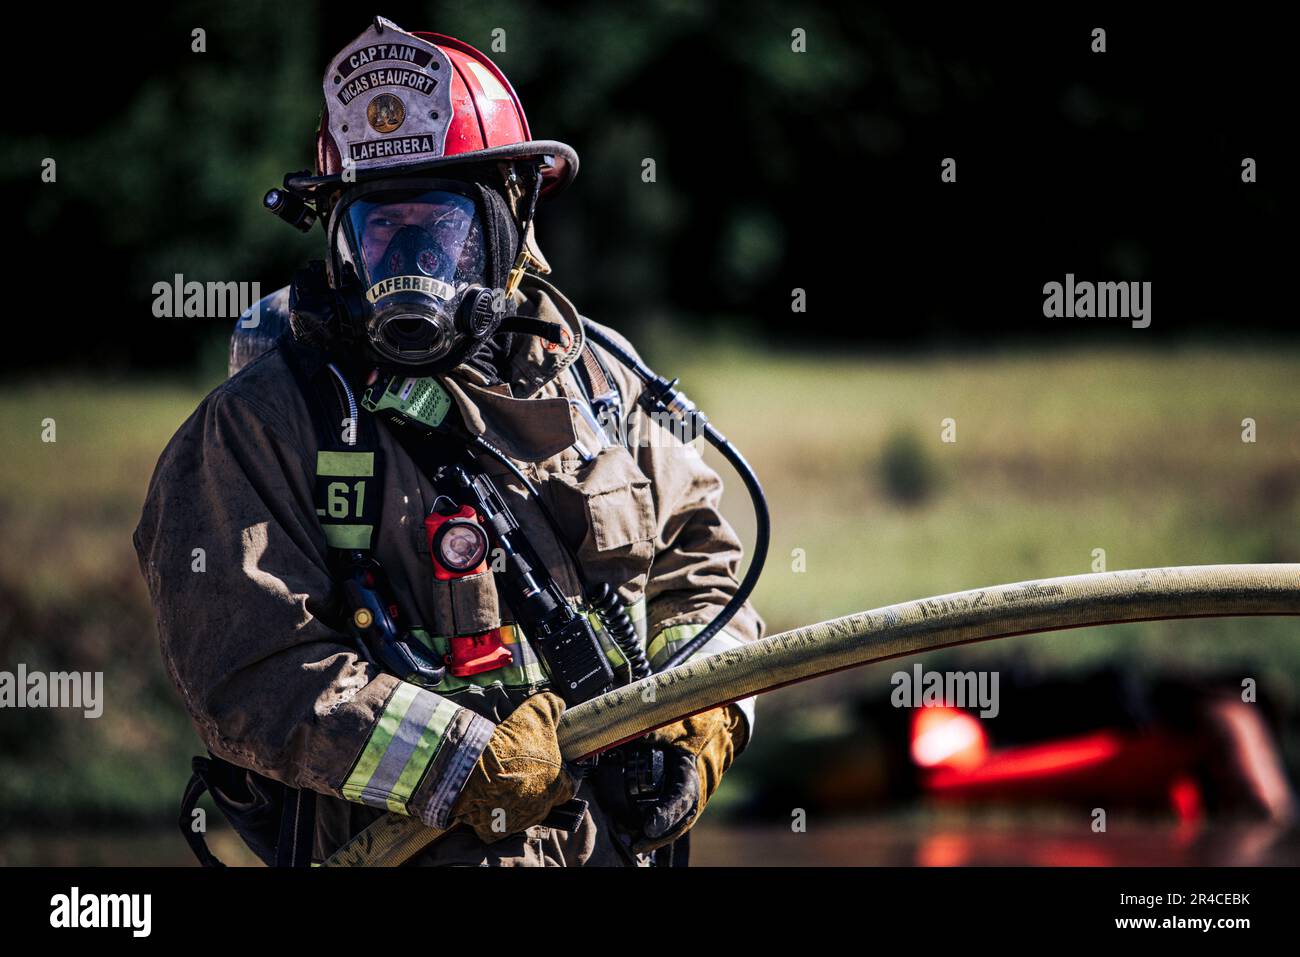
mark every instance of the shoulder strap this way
{"type": "Point", "coordinates": [349, 465]}
{"type": "Point", "coordinates": [600, 390]}
{"type": "Point", "coordinates": [277, 822]}
{"type": "Point", "coordinates": [595, 374]}
{"type": "Point", "coordinates": [348, 495]}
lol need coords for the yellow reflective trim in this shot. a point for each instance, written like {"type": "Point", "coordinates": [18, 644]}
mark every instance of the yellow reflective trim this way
{"type": "Point", "coordinates": [671, 638]}
{"type": "Point", "coordinates": [348, 464]}
{"type": "Point", "coordinates": [381, 736]}
{"type": "Point", "coordinates": [674, 635]}
{"type": "Point", "coordinates": [347, 536]}
{"type": "Point", "coordinates": [524, 672]}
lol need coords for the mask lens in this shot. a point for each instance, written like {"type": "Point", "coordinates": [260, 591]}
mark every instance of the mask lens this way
{"type": "Point", "coordinates": [415, 252]}
{"type": "Point", "coordinates": [431, 235]}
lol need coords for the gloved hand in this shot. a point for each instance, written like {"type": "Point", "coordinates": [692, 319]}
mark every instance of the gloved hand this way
{"type": "Point", "coordinates": [520, 773]}
{"type": "Point", "coordinates": [697, 751]}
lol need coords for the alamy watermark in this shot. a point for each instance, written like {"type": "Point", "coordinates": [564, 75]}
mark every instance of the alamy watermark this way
{"type": "Point", "coordinates": [954, 689]}
{"type": "Point", "coordinates": [1098, 300]}
{"type": "Point", "coordinates": [180, 299]}
{"type": "Point", "coordinates": [74, 910]}
{"type": "Point", "coordinates": [53, 689]}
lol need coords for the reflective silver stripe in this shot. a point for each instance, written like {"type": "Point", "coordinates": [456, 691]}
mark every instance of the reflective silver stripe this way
{"type": "Point", "coordinates": [523, 673]}
{"type": "Point", "coordinates": [402, 744]}
{"type": "Point", "coordinates": [438, 811]}
{"type": "Point", "coordinates": [526, 672]}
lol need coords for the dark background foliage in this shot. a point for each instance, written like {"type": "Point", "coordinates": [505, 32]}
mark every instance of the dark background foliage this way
{"type": "Point", "coordinates": [775, 170]}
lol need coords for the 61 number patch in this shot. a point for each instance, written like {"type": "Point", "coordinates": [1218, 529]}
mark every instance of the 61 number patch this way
{"type": "Point", "coordinates": [346, 504]}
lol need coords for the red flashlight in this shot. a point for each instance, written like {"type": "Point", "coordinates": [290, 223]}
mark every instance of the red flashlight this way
{"type": "Point", "coordinates": [458, 545]}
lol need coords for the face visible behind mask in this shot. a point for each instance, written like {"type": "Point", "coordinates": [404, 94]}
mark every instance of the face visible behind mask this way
{"type": "Point", "coordinates": [421, 267]}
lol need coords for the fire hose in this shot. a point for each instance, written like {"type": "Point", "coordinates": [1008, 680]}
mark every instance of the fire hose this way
{"type": "Point", "coordinates": [909, 628]}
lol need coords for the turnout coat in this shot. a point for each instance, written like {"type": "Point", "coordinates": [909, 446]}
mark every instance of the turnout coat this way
{"type": "Point", "coordinates": [273, 685]}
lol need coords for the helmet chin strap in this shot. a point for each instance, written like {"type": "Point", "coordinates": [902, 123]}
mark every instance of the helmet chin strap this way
{"type": "Point", "coordinates": [523, 258]}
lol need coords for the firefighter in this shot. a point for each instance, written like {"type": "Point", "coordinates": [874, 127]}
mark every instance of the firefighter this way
{"type": "Point", "coordinates": [430, 317]}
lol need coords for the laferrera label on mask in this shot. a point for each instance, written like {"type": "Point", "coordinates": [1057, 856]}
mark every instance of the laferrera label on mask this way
{"type": "Point", "coordinates": [424, 284]}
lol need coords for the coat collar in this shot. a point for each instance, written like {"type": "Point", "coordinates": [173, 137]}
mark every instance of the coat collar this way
{"type": "Point", "coordinates": [510, 415]}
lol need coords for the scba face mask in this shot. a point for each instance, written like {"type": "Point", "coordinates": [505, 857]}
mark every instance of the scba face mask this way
{"type": "Point", "coordinates": [422, 267]}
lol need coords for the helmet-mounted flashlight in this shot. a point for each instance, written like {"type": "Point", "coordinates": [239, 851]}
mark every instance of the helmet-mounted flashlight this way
{"type": "Point", "coordinates": [290, 208]}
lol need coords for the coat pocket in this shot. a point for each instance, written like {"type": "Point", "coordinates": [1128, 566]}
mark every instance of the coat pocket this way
{"type": "Point", "coordinates": [607, 511]}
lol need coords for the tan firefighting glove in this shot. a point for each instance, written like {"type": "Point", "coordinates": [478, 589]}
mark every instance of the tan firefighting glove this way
{"type": "Point", "coordinates": [520, 776]}
{"type": "Point", "coordinates": [698, 750]}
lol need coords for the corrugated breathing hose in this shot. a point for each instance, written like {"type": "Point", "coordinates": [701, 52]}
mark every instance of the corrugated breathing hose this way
{"type": "Point", "coordinates": [914, 627]}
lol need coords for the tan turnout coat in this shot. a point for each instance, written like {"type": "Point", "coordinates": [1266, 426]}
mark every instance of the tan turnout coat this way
{"type": "Point", "coordinates": [272, 687]}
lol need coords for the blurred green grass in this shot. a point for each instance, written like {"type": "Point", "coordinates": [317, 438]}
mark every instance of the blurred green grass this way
{"type": "Point", "coordinates": [1056, 455]}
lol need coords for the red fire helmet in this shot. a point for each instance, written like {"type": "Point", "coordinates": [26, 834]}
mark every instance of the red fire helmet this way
{"type": "Point", "coordinates": [399, 103]}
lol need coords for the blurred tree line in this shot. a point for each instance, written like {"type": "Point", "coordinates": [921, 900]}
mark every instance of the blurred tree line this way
{"type": "Point", "coordinates": [775, 170]}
